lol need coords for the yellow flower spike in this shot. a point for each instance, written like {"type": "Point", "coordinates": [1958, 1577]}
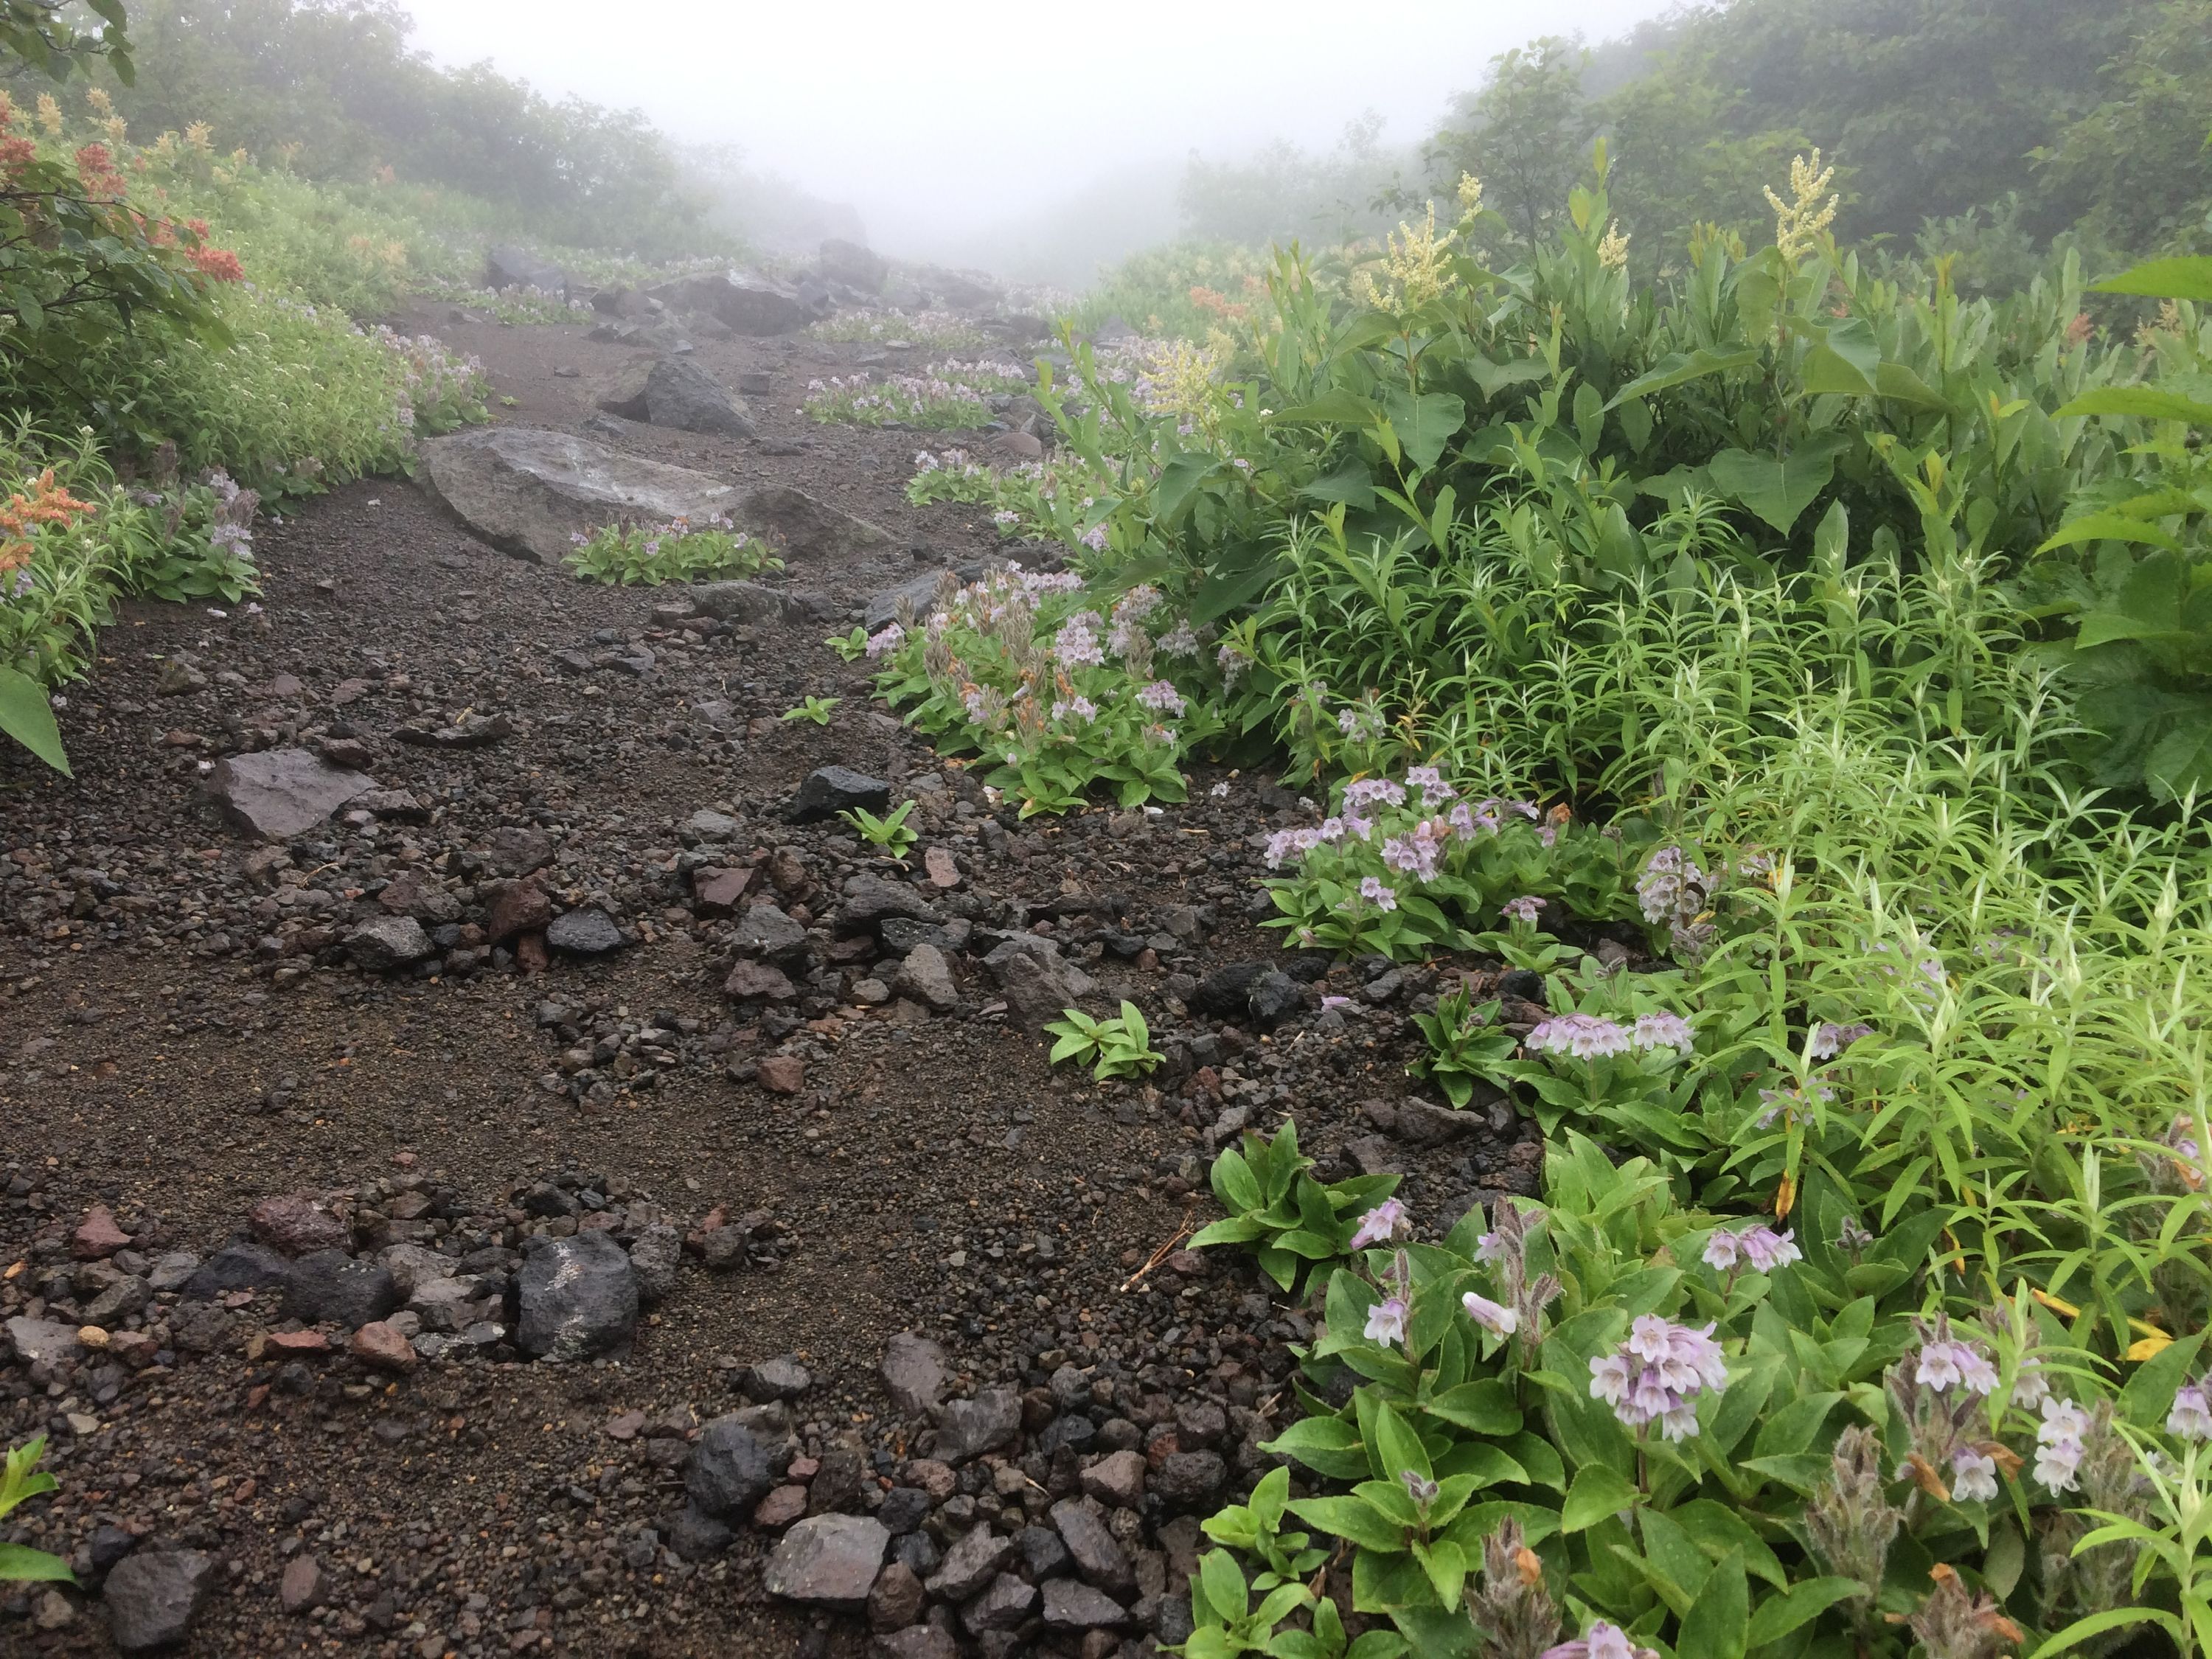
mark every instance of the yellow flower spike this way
{"type": "Point", "coordinates": [1785, 1197]}
{"type": "Point", "coordinates": [1800, 222]}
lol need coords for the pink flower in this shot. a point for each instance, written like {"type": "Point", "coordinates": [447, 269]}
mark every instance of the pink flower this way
{"type": "Point", "coordinates": [1379, 1224]}
{"type": "Point", "coordinates": [1386, 1322]}
{"type": "Point", "coordinates": [1499, 1320]}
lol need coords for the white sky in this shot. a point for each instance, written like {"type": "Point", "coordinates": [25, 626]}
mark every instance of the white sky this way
{"type": "Point", "coordinates": [935, 119]}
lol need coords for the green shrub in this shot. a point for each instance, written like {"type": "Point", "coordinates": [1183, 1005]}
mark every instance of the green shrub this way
{"type": "Point", "coordinates": [672, 552]}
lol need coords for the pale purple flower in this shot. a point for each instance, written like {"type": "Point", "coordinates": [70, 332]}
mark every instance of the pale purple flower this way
{"type": "Point", "coordinates": [2058, 1448]}
{"type": "Point", "coordinates": [1382, 897]}
{"type": "Point", "coordinates": [1177, 641]}
{"type": "Point", "coordinates": [1585, 1037]}
{"type": "Point", "coordinates": [2030, 1387]}
{"type": "Point", "coordinates": [1362, 722]}
{"type": "Point", "coordinates": [1656, 1374]}
{"type": "Point", "coordinates": [1076, 644]}
{"type": "Point", "coordinates": [889, 640]}
{"type": "Point", "coordinates": [1663, 1031]}
{"type": "Point", "coordinates": [1973, 1474]}
{"type": "Point", "coordinates": [1671, 887]}
{"type": "Point", "coordinates": [1766, 1249]}
{"type": "Point", "coordinates": [1462, 822]}
{"type": "Point", "coordinates": [1379, 1224]}
{"type": "Point", "coordinates": [1430, 781]}
{"type": "Point", "coordinates": [1722, 1251]}
{"type": "Point", "coordinates": [1077, 708]}
{"type": "Point", "coordinates": [1414, 855]}
{"type": "Point", "coordinates": [1527, 909]}
{"type": "Point", "coordinates": [1095, 539]}
{"type": "Point", "coordinates": [1600, 1641]}
{"type": "Point", "coordinates": [1489, 1247]}
{"type": "Point", "coordinates": [1161, 697]}
{"type": "Point", "coordinates": [1366, 791]}
{"type": "Point", "coordinates": [1790, 1103]}
{"type": "Point", "coordinates": [1386, 1322]}
{"type": "Point", "coordinates": [1954, 1364]}
{"type": "Point", "coordinates": [1499, 1320]}
{"type": "Point", "coordinates": [1331, 1003]}
{"type": "Point", "coordinates": [1831, 1039]}
{"type": "Point", "coordinates": [2191, 1416]}
{"type": "Point", "coordinates": [1355, 826]}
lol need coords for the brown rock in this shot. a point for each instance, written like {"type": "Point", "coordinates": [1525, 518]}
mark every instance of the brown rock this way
{"type": "Point", "coordinates": [719, 893]}
{"type": "Point", "coordinates": [520, 907]}
{"type": "Point", "coordinates": [97, 1237]}
{"type": "Point", "coordinates": [529, 953]}
{"type": "Point", "coordinates": [943, 870]}
{"type": "Point", "coordinates": [782, 1074]}
{"type": "Point", "coordinates": [781, 1508]}
{"type": "Point", "coordinates": [296, 1342]}
{"type": "Point", "coordinates": [305, 1584]}
{"type": "Point", "coordinates": [896, 1602]}
{"type": "Point", "coordinates": [296, 1223]}
{"type": "Point", "coordinates": [136, 1349]}
{"type": "Point", "coordinates": [377, 1345]}
{"type": "Point", "coordinates": [1117, 1479]}
{"type": "Point", "coordinates": [750, 980]}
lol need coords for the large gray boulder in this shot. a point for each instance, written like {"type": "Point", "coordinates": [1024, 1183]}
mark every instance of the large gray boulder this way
{"type": "Point", "coordinates": [528, 491]}
{"type": "Point", "coordinates": [743, 301]}
{"type": "Point", "coordinates": [853, 265]}
{"type": "Point", "coordinates": [578, 1297]}
{"type": "Point", "coordinates": [828, 1560]}
{"type": "Point", "coordinates": [677, 394]}
{"type": "Point", "coordinates": [514, 267]}
{"type": "Point", "coordinates": [804, 527]}
{"type": "Point", "coordinates": [279, 794]}
{"type": "Point", "coordinates": [152, 1596]}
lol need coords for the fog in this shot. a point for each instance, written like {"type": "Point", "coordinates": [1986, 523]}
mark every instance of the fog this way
{"type": "Point", "coordinates": [955, 131]}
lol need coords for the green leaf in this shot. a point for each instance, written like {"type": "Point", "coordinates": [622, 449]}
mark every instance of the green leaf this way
{"type": "Point", "coordinates": [1180, 478]}
{"type": "Point", "coordinates": [1223, 1580]}
{"type": "Point", "coordinates": [1599, 1493]}
{"type": "Point", "coordinates": [1424, 424]}
{"type": "Point", "coordinates": [1680, 368]}
{"type": "Point", "coordinates": [1354, 1518]}
{"type": "Point", "coordinates": [1901, 385]}
{"type": "Point", "coordinates": [1327, 1445]}
{"type": "Point", "coordinates": [26, 716]}
{"type": "Point", "coordinates": [1400, 1448]}
{"type": "Point", "coordinates": [1234, 1183]}
{"type": "Point", "coordinates": [1778, 491]}
{"type": "Point", "coordinates": [1719, 1621]}
{"type": "Point", "coordinates": [2145, 403]}
{"type": "Point", "coordinates": [1350, 483]}
{"type": "Point", "coordinates": [1846, 361]}
{"type": "Point", "coordinates": [21, 1564]}
{"type": "Point", "coordinates": [1482, 1407]}
{"type": "Point", "coordinates": [2163, 279]}
{"type": "Point", "coordinates": [2109, 527]}
{"type": "Point", "coordinates": [2182, 761]}
{"type": "Point", "coordinates": [1800, 1604]}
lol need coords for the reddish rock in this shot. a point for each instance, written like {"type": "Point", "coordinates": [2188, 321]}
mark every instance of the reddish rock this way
{"type": "Point", "coordinates": [136, 1349]}
{"type": "Point", "coordinates": [304, 1585]}
{"type": "Point", "coordinates": [750, 980]}
{"type": "Point", "coordinates": [529, 953]}
{"type": "Point", "coordinates": [296, 1342]}
{"type": "Point", "coordinates": [934, 1477]}
{"type": "Point", "coordinates": [1117, 1479]}
{"type": "Point", "coordinates": [781, 1508]}
{"type": "Point", "coordinates": [517, 906]}
{"type": "Point", "coordinates": [97, 1237]}
{"type": "Point", "coordinates": [297, 1224]}
{"type": "Point", "coordinates": [782, 1074]}
{"type": "Point", "coordinates": [377, 1345]}
{"type": "Point", "coordinates": [943, 870]}
{"type": "Point", "coordinates": [719, 893]}
{"type": "Point", "coordinates": [626, 1426]}
{"type": "Point", "coordinates": [804, 1468]}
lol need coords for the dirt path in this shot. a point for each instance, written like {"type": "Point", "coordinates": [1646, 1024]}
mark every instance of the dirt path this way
{"type": "Point", "coordinates": [182, 1036]}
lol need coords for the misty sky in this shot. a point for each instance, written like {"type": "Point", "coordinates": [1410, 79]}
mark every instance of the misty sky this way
{"type": "Point", "coordinates": [937, 119]}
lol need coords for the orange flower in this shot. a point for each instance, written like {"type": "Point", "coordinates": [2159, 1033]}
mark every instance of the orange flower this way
{"type": "Point", "coordinates": [16, 154]}
{"type": "Point", "coordinates": [219, 263]}
{"type": "Point", "coordinates": [198, 227]}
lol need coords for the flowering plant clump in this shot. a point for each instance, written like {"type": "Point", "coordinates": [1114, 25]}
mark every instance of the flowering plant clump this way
{"type": "Point", "coordinates": [891, 326]}
{"type": "Point", "coordinates": [675, 552]}
{"type": "Point", "coordinates": [946, 394]}
{"type": "Point", "coordinates": [1403, 867]}
{"type": "Point", "coordinates": [1058, 696]}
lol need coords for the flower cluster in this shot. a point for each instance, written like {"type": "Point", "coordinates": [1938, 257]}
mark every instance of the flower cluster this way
{"type": "Point", "coordinates": [945, 394]}
{"type": "Point", "coordinates": [1760, 1247]}
{"type": "Point", "coordinates": [1657, 1375]}
{"type": "Point", "coordinates": [1591, 1037]}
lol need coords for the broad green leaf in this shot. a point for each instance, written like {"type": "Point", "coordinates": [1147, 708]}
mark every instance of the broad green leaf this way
{"type": "Point", "coordinates": [2186, 278]}
{"type": "Point", "coordinates": [1682, 368]}
{"type": "Point", "coordinates": [26, 716]}
{"type": "Point", "coordinates": [1483, 1407]}
{"type": "Point", "coordinates": [2143, 402]}
{"type": "Point", "coordinates": [1328, 1445]}
{"type": "Point", "coordinates": [1351, 483]}
{"type": "Point", "coordinates": [1354, 1518]}
{"type": "Point", "coordinates": [1800, 1604]}
{"type": "Point", "coordinates": [2182, 760]}
{"type": "Point", "coordinates": [1846, 361]}
{"type": "Point", "coordinates": [1598, 1493]}
{"type": "Point", "coordinates": [1424, 424]}
{"type": "Point", "coordinates": [2109, 526]}
{"type": "Point", "coordinates": [1400, 1448]}
{"type": "Point", "coordinates": [1180, 479]}
{"type": "Point", "coordinates": [1778, 490]}
{"type": "Point", "coordinates": [1223, 1580]}
{"type": "Point", "coordinates": [1719, 1621]}
{"type": "Point", "coordinates": [21, 1564]}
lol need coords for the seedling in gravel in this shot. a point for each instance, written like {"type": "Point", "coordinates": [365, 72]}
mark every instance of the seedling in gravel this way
{"type": "Point", "coordinates": [1289, 1220]}
{"type": "Point", "coordinates": [889, 833]}
{"type": "Point", "coordinates": [674, 551]}
{"type": "Point", "coordinates": [850, 647]}
{"type": "Point", "coordinates": [817, 709]}
{"type": "Point", "coordinates": [1119, 1046]}
{"type": "Point", "coordinates": [1464, 1046]}
{"type": "Point", "coordinates": [18, 1563]}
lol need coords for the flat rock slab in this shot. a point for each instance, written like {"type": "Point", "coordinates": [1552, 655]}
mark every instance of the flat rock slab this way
{"type": "Point", "coordinates": [279, 794]}
{"type": "Point", "coordinates": [152, 1596]}
{"type": "Point", "coordinates": [527, 491]}
{"type": "Point", "coordinates": [829, 1560]}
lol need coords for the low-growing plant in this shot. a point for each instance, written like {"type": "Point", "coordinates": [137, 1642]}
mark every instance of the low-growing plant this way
{"type": "Point", "coordinates": [1291, 1222]}
{"type": "Point", "coordinates": [889, 832]}
{"type": "Point", "coordinates": [815, 710]}
{"type": "Point", "coordinates": [20, 1481]}
{"type": "Point", "coordinates": [674, 551]}
{"type": "Point", "coordinates": [1119, 1045]}
{"type": "Point", "coordinates": [931, 331]}
{"type": "Point", "coordinates": [947, 394]}
{"type": "Point", "coordinates": [1465, 1047]}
